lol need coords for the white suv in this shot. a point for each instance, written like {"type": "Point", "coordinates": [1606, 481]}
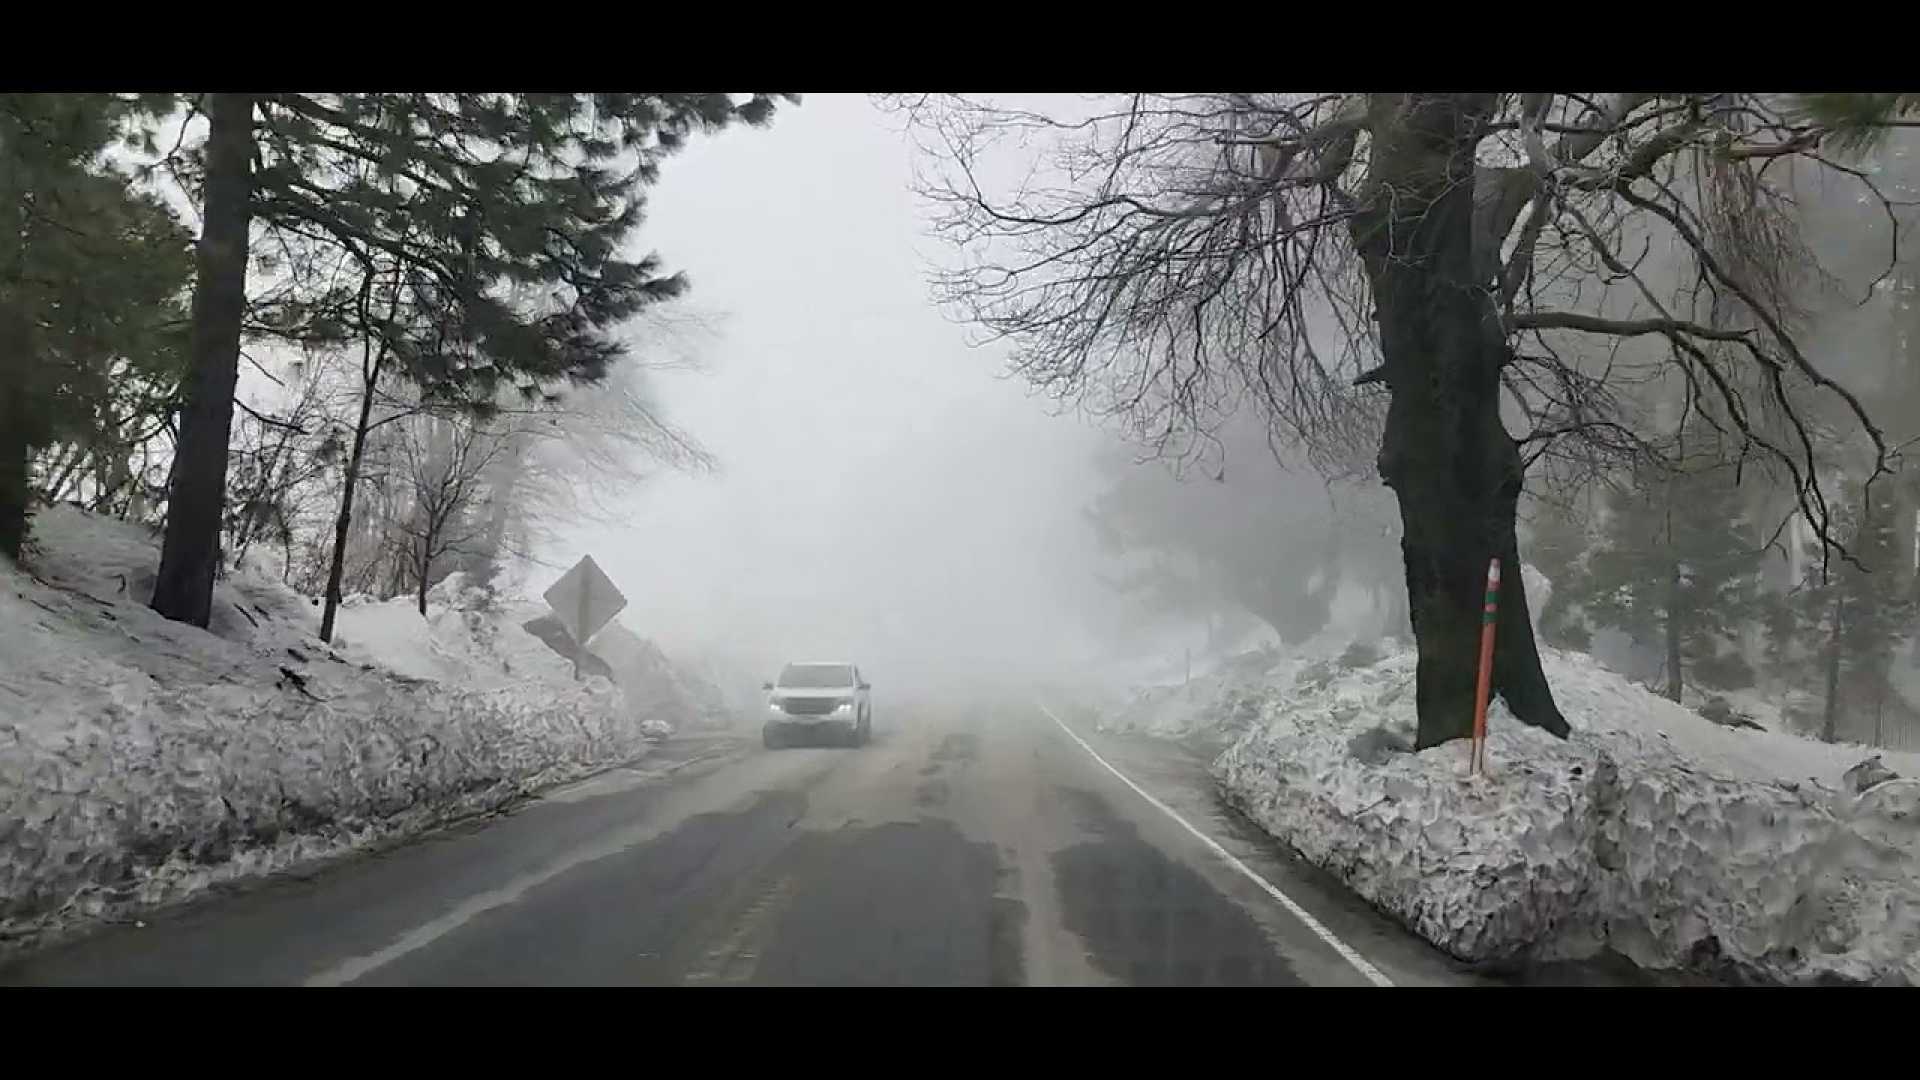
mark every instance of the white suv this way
{"type": "Point", "coordinates": [818, 698]}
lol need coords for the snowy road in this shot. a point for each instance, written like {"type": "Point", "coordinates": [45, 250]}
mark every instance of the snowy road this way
{"type": "Point", "coordinates": [968, 845]}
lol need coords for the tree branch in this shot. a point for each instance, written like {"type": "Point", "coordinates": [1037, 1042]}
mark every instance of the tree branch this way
{"type": "Point", "coordinates": [1594, 324]}
{"type": "Point", "coordinates": [269, 420]}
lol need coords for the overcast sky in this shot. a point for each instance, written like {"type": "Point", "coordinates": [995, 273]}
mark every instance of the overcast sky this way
{"type": "Point", "coordinates": [886, 495]}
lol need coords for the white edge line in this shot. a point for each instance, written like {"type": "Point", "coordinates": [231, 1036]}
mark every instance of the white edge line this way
{"type": "Point", "coordinates": [1347, 952]}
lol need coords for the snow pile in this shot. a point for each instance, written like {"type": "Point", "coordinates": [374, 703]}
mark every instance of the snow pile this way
{"type": "Point", "coordinates": [1215, 702]}
{"type": "Point", "coordinates": [655, 687]}
{"type": "Point", "coordinates": [142, 760]}
{"type": "Point", "coordinates": [1672, 840]}
{"type": "Point", "coordinates": [1221, 703]}
{"type": "Point", "coordinates": [475, 638]}
{"type": "Point", "coordinates": [468, 636]}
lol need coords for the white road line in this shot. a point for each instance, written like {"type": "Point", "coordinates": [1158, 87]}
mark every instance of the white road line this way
{"type": "Point", "coordinates": [473, 907]}
{"type": "Point", "coordinates": [1359, 962]}
{"type": "Point", "coordinates": [612, 844]}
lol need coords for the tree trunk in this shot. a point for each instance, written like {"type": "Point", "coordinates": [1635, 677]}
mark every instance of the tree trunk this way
{"type": "Point", "coordinates": [343, 522]}
{"type": "Point", "coordinates": [1830, 727]}
{"type": "Point", "coordinates": [1453, 468]}
{"type": "Point", "coordinates": [400, 575]}
{"type": "Point", "coordinates": [16, 363]}
{"type": "Point", "coordinates": [1879, 713]}
{"type": "Point", "coordinates": [16, 445]}
{"type": "Point", "coordinates": [426, 572]}
{"type": "Point", "coordinates": [484, 564]}
{"type": "Point", "coordinates": [119, 473]}
{"type": "Point", "coordinates": [14, 491]}
{"type": "Point", "coordinates": [1674, 615]}
{"type": "Point", "coordinates": [190, 554]}
{"type": "Point", "coordinates": [1675, 609]}
{"type": "Point", "coordinates": [1903, 412]}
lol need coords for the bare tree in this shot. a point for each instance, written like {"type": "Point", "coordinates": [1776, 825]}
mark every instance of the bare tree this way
{"type": "Point", "coordinates": [445, 456]}
{"type": "Point", "coordinates": [380, 337]}
{"type": "Point", "coordinates": [580, 452]}
{"type": "Point", "coordinates": [1470, 254]}
{"type": "Point", "coordinates": [276, 459]}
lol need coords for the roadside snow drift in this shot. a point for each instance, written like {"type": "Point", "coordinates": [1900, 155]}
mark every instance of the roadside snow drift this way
{"type": "Point", "coordinates": [477, 640]}
{"type": "Point", "coordinates": [1652, 831]}
{"type": "Point", "coordinates": [142, 760]}
{"type": "Point", "coordinates": [1224, 699]}
{"type": "Point", "coordinates": [1219, 703]}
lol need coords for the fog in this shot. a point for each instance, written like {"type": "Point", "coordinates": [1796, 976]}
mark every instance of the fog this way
{"type": "Point", "coordinates": [884, 493]}
{"type": "Point", "coordinates": [298, 647]}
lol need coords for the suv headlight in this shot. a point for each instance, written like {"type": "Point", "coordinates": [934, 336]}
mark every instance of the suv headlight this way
{"type": "Point", "coordinates": [773, 705]}
{"type": "Point", "coordinates": [843, 707]}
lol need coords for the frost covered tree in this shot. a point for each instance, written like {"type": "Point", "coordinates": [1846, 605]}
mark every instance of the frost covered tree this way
{"type": "Point", "coordinates": [465, 196]}
{"type": "Point", "coordinates": [1839, 630]}
{"type": "Point", "coordinates": [443, 459]}
{"type": "Point", "coordinates": [1458, 275]}
{"type": "Point", "coordinates": [1879, 326]}
{"type": "Point", "coordinates": [1558, 545]}
{"type": "Point", "coordinates": [1241, 533]}
{"type": "Point", "coordinates": [1677, 567]}
{"type": "Point", "coordinates": [277, 464]}
{"type": "Point", "coordinates": [580, 452]}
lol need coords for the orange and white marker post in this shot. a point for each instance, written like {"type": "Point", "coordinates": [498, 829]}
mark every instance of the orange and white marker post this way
{"type": "Point", "coordinates": [1483, 688]}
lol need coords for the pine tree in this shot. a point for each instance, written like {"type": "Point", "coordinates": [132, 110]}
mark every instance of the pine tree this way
{"type": "Point", "coordinates": [502, 217]}
{"type": "Point", "coordinates": [1857, 123]}
{"type": "Point", "coordinates": [1840, 629]}
{"type": "Point", "coordinates": [1677, 564]}
{"type": "Point", "coordinates": [1558, 545]}
{"type": "Point", "coordinates": [90, 278]}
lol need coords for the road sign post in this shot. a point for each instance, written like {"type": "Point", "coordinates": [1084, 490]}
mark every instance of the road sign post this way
{"type": "Point", "coordinates": [584, 600]}
{"type": "Point", "coordinates": [581, 643]}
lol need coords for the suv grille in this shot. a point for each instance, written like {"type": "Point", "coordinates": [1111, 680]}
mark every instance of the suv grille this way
{"type": "Point", "coordinates": [810, 706]}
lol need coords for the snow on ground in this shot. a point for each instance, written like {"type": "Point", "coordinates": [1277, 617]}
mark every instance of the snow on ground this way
{"type": "Point", "coordinates": [465, 637]}
{"type": "Point", "coordinates": [1222, 699]}
{"type": "Point", "coordinates": [657, 688]}
{"type": "Point", "coordinates": [1652, 832]}
{"type": "Point", "coordinates": [142, 760]}
{"type": "Point", "coordinates": [475, 639]}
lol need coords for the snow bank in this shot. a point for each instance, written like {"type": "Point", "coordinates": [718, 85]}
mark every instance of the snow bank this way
{"type": "Point", "coordinates": [477, 639]}
{"type": "Point", "coordinates": [656, 688]}
{"type": "Point", "coordinates": [1653, 832]}
{"type": "Point", "coordinates": [468, 636]}
{"type": "Point", "coordinates": [142, 760]}
{"type": "Point", "coordinates": [1223, 699]}
{"type": "Point", "coordinates": [1213, 703]}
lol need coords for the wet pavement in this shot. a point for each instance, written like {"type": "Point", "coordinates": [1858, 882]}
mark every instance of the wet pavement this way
{"type": "Point", "coordinates": [966, 845]}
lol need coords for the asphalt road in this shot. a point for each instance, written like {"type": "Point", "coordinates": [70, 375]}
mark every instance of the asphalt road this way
{"type": "Point", "coordinates": [970, 845]}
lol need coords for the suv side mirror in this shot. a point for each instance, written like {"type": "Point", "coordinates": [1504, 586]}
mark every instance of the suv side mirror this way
{"type": "Point", "coordinates": [866, 686]}
{"type": "Point", "coordinates": [766, 686]}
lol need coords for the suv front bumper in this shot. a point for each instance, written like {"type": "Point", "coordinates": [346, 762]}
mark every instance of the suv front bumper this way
{"type": "Point", "coordinates": [805, 724]}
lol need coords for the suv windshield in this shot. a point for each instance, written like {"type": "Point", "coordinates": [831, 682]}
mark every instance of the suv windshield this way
{"type": "Point", "coordinates": [817, 675]}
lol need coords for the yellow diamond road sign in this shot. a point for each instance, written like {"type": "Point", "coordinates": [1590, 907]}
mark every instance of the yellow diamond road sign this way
{"type": "Point", "coordinates": [585, 599]}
